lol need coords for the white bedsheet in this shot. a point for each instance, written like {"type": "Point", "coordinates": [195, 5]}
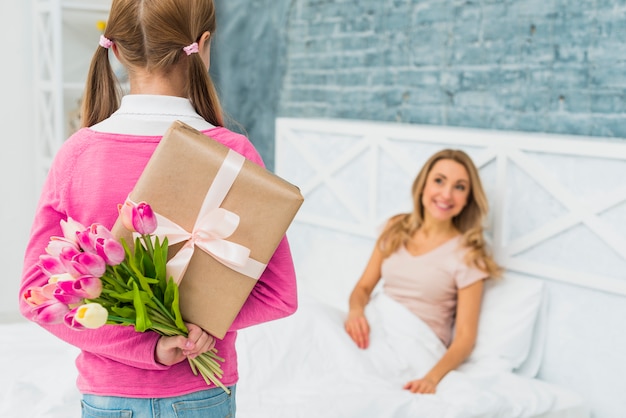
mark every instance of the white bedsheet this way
{"type": "Point", "coordinates": [38, 378]}
{"type": "Point", "coordinates": [300, 367]}
{"type": "Point", "coordinates": [306, 366]}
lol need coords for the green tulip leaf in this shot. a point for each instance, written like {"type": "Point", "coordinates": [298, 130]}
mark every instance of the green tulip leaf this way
{"type": "Point", "coordinates": [142, 321]}
{"type": "Point", "coordinates": [176, 305]}
{"type": "Point", "coordinates": [124, 312]}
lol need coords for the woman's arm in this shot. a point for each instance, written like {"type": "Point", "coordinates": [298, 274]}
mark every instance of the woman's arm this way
{"type": "Point", "coordinates": [467, 313]}
{"type": "Point", "coordinates": [356, 324]}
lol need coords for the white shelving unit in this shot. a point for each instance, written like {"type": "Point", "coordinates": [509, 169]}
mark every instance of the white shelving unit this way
{"type": "Point", "coordinates": [65, 38]}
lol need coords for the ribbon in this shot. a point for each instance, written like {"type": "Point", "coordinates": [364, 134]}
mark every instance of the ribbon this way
{"type": "Point", "coordinates": [212, 226]}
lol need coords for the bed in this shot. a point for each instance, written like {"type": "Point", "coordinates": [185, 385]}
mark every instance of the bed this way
{"type": "Point", "coordinates": [354, 174]}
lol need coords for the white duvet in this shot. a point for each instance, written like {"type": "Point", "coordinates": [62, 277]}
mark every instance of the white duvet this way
{"type": "Point", "coordinates": [305, 366]}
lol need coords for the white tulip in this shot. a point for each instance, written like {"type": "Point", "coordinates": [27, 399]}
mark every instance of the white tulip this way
{"type": "Point", "coordinates": [91, 315]}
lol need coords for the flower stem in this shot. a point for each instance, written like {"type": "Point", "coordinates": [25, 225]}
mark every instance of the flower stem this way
{"type": "Point", "coordinates": [121, 321]}
{"type": "Point", "coordinates": [164, 310]}
{"type": "Point", "coordinates": [207, 373]}
{"type": "Point", "coordinates": [146, 239]}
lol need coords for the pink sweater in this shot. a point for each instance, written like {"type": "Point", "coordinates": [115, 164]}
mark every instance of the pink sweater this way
{"type": "Point", "coordinates": [91, 174]}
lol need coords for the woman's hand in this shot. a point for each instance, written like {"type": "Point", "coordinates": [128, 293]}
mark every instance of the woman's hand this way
{"type": "Point", "coordinates": [173, 350]}
{"type": "Point", "coordinates": [356, 325]}
{"type": "Point", "coordinates": [358, 329]}
{"type": "Point", "coordinates": [424, 385]}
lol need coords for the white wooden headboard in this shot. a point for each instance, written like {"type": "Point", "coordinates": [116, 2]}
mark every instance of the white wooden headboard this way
{"type": "Point", "coordinates": [558, 204]}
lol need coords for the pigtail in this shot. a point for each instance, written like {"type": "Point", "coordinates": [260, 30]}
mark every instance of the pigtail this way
{"type": "Point", "coordinates": [202, 92]}
{"type": "Point", "coordinates": [102, 93]}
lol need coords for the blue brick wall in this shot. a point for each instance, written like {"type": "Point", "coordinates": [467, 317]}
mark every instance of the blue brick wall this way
{"type": "Point", "coordinates": [553, 66]}
{"type": "Point", "coordinates": [248, 63]}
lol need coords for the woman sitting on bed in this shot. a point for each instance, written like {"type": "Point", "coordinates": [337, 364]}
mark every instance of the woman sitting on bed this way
{"type": "Point", "coordinates": [433, 261]}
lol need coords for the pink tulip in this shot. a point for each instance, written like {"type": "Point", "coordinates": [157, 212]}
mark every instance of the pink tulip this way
{"type": "Point", "coordinates": [99, 240]}
{"type": "Point", "coordinates": [83, 263]}
{"type": "Point", "coordinates": [67, 253]}
{"type": "Point", "coordinates": [63, 277]}
{"type": "Point", "coordinates": [66, 298]}
{"type": "Point", "coordinates": [110, 250]}
{"type": "Point", "coordinates": [71, 228]}
{"type": "Point", "coordinates": [87, 238]}
{"type": "Point", "coordinates": [84, 287]}
{"type": "Point", "coordinates": [85, 241]}
{"type": "Point", "coordinates": [126, 214]}
{"type": "Point", "coordinates": [57, 244]}
{"type": "Point", "coordinates": [51, 312]}
{"type": "Point", "coordinates": [34, 296]}
{"type": "Point", "coordinates": [50, 265]}
{"type": "Point", "coordinates": [144, 219]}
{"type": "Point", "coordinates": [138, 218]}
{"type": "Point", "coordinates": [48, 289]}
{"type": "Point", "coordinates": [70, 320]}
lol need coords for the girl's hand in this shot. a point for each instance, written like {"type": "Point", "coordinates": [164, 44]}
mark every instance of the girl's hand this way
{"type": "Point", "coordinates": [424, 385]}
{"type": "Point", "coordinates": [358, 329]}
{"type": "Point", "coordinates": [173, 350]}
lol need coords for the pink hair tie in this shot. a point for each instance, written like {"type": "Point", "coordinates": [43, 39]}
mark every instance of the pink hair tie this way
{"type": "Point", "coordinates": [191, 49]}
{"type": "Point", "coordinates": [105, 42]}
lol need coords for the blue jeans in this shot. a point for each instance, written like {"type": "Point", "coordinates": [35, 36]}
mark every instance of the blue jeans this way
{"type": "Point", "coordinates": [210, 403]}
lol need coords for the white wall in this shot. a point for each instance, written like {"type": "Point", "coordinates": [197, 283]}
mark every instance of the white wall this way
{"type": "Point", "coordinates": [17, 166]}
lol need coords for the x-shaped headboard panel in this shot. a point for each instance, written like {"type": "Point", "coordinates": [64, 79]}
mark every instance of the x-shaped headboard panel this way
{"type": "Point", "coordinates": [544, 221]}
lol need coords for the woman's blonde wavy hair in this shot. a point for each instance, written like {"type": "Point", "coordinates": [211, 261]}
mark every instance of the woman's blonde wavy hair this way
{"type": "Point", "coordinates": [151, 34]}
{"type": "Point", "coordinates": [401, 228]}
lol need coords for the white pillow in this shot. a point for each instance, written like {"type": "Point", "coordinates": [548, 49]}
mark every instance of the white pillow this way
{"type": "Point", "coordinates": [507, 324]}
{"type": "Point", "coordinates": [530, 366]}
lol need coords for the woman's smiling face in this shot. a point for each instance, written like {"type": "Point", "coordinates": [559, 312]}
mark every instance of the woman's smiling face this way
{"type": "Point", "coordinates": [446, 190]}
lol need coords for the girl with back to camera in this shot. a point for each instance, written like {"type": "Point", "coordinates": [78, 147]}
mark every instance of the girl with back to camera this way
{"type": "Point", "coordinates": [433, 261]}
{"type": "Point", "coordinates": [164, 46]}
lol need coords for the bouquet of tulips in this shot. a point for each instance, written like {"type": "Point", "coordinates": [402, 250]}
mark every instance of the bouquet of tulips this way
{"type": "Point", "coordinates": [95, 279]}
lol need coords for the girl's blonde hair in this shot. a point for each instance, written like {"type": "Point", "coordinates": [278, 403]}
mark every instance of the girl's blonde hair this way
{"type": "Point", "coordinates": [469, 222]}
{"type": "Point", "coordinates": [151, 34]}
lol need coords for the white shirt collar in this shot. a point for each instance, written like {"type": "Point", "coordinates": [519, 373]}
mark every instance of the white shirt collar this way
{"type": "Point", "coordinates": [151, 115]}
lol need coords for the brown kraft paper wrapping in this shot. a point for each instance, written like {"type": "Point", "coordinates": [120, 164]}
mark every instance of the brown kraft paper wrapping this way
{"type": "Point", "coordinates": [175, 182]}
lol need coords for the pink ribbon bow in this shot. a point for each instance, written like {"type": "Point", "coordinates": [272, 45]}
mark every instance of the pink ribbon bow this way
{"type": "Point", "coordinates": [212, 226]}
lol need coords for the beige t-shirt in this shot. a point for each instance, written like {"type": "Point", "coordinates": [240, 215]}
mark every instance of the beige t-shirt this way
{"type": "Point", "coordinates": [428, 284]}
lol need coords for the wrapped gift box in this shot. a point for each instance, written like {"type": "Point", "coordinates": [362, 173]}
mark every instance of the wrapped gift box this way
{"type": "Point", "coordinates": [177, 183]}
